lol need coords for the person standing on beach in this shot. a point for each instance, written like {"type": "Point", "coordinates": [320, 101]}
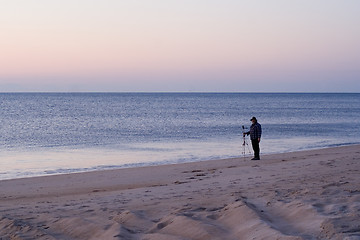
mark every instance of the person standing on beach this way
{"type": "Point", "coordinates": [255, 136]}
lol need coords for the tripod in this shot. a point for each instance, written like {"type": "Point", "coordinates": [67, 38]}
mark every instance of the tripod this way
{"type": "Point", "coordinates": [245, 143]}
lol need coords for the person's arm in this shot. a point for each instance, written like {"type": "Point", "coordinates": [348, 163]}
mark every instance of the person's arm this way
{"type": "Point", "coordinates": [259, 132]}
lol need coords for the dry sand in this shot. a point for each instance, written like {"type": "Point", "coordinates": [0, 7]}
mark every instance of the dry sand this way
{"type": "Point", "coordinates": [301, 195]}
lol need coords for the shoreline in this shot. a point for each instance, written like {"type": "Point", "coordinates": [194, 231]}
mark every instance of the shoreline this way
{"type": "Point", "coordinates": [296, 195]}
{"type": "Point", "coordinates": [247, 158]}
{"type": "Point", "coordinates": [100, 168]}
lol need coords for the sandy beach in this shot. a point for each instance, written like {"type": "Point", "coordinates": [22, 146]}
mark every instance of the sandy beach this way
{"type": "Point", "coordinates": [301, 195]}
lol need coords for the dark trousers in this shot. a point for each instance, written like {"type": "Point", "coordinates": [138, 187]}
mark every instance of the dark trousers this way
{"type": "Point", "coordinates": [256, 147]}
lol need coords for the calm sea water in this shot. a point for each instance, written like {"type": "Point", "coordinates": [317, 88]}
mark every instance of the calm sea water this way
{"type": "Point", "coordinates": [51, 133]}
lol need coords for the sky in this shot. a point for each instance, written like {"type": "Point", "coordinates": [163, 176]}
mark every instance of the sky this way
{"type": "Point", "coordinates": [180, 46]}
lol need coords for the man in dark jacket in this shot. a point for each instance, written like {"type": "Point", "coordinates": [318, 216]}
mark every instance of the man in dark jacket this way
{"type": "Point", "coordinates": [255, 136]}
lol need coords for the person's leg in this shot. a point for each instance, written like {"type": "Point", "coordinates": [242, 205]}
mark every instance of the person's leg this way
{"type": "Point", "coordinates": [258, 150]}
{"type": "Point", "coordinates": [255, 145]}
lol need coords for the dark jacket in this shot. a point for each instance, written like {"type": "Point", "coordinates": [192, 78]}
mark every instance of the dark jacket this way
{"type": "Point", "coordinates": [255, 131]}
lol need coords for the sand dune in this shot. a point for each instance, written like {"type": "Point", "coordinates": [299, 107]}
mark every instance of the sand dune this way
{"type": "Point", "coordinates": [301, 195]}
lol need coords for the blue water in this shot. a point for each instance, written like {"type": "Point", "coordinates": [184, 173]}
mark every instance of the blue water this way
{"type": "Point", "coordinates": [50, 133]}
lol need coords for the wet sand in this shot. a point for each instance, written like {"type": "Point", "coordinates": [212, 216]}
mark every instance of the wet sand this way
{"type": "Point", "coordinates": [301, 195]}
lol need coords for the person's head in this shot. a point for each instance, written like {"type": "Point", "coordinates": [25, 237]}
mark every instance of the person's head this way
{"type": "Point", "coordinates": [253, 120]}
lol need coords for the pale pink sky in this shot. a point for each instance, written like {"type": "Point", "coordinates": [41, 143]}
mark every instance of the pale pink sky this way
{"type": "Point", "coordinates": [163, 45]}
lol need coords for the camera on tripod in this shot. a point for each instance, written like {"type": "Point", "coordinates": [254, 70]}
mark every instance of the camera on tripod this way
{"type": "Point", "coordinates": [244, 132]}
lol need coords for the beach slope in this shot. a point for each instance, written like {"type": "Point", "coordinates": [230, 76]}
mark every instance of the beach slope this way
{"type": "Point", "coordinates": [301, 195]}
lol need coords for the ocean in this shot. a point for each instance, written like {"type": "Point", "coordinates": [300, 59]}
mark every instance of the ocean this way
{"type": "Point", "coordinates": [55, 133]}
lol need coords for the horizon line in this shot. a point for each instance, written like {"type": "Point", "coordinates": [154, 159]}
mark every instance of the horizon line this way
{"type": "Point", "coordinates": [213, 92]}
